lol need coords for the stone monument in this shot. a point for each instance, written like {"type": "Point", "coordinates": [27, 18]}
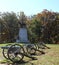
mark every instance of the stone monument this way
{"type": "Point", "coordinates": [22, 36]}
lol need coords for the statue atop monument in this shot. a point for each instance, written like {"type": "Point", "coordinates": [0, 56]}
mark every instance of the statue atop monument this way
{"type": "Point", "coordinates": [22, 20]}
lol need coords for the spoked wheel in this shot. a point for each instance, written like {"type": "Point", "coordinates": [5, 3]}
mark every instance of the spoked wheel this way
{"type": "Point", "coordinates": [36, 46]}
{"type": "Point", "coordinates": [41, 45]}
{"type": "Point", "coordinates": [30, 49]}
{"type": "Point", "coordinates": [5, 50]}
{"type": "Point", "coordinates": [15, 53]}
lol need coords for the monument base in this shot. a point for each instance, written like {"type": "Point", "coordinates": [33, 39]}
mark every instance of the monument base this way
{"type": "Point", "coordinates": [23, 38]}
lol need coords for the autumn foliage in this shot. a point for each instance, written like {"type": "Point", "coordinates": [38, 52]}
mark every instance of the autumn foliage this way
{"type": "Point", "coordinates": [42, 26]}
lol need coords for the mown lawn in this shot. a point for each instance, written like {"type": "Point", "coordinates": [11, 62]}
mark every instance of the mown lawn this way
{"type": "Point", "coordinates": [51, 57]}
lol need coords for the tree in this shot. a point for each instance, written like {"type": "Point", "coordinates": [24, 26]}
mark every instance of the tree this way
{"type": "Point", "coordinates": [12, 25]}
{"type": "Point", "coordinates": [3, 32]}
{"type": "Point", "coordinates": [34, 31]}
{"type": "Point", "coordinates": [50, 22]}
{"type": "Point", "coordinates": [51, 30]}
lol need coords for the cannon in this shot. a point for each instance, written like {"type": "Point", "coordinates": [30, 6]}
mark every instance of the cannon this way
{"type": "Point", "coordinates": [16, 52]}
{"type": "Point", "coordinates": [5, 50]}
{"type": "Point", "coordinates": [41, 45]}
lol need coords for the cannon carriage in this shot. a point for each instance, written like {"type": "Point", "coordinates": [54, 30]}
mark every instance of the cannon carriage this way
{"type": "Point", "coordinates": [16, 52]}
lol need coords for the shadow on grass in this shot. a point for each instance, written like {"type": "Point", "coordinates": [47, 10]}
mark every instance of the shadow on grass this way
{"type": "Point", "coordinates": [23, 62]}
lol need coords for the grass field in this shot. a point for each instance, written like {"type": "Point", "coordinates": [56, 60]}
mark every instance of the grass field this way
{"type": "Point", "coordinates": [51, 57]}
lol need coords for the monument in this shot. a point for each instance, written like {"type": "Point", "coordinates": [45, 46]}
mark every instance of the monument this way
{"type": "Point", "coordinates": [22, 36]}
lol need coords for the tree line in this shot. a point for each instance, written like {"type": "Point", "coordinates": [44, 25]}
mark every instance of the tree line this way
{"type": "Point", "coordinates": [43, 26]}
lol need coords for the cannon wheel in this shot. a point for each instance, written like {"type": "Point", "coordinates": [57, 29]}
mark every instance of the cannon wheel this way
{"type": "Point", "coordinates": [14, 53]}
{"type": "Point", "coordinates": [39, 46]}
{"type": "Point", "coordinates": [36, 46]}
{"type": "Point", "coordinates": [4, 51]}
{"type": "Point", "coordinates": [30, 49]}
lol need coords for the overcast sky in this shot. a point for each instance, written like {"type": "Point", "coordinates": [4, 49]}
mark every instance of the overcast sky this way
{"type": "Point", "coordinates": [29, 7]}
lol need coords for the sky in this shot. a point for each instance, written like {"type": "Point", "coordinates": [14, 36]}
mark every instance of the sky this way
{"type": "Point", "coordinates": [29, 7]}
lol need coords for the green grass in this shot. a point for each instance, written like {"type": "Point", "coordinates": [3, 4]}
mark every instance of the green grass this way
{"type": "Point", "coordinates": [4, 44]}
{"type": "Point", "coordinates": [51, 57]}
